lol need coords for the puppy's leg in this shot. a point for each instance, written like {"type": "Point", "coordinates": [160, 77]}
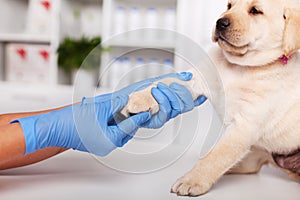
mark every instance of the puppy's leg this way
{"type": "Point", "coordinates": [143, 100]}
{"type": "Point", "coordinates": [251, 163]}
{"type": "Point", "coordinates": [234, 145]}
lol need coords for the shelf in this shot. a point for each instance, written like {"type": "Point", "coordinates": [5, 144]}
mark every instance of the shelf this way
{"type": "Point", "coordinates": [33, 87]}
{"type": "Point", "coordinates": [145, 44]}
{"type": "Point", "coordinates": [28, 97]}
{"type": "Point", "coordinates": [25, 38]}
{"type": "Point", "coordinates": [159, 2]}
{"type": "Point", "coordinates": [89, 1]}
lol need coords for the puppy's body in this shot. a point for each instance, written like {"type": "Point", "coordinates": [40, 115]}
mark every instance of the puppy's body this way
{"type": "Point", "coordinates": [266, 98]}
{"type": "Point", "coordinates": [262, 93]}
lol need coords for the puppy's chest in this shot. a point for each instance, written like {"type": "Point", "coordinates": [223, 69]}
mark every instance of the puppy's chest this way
{"type": "Point", "coordinates": [271, 86]}
{"type": "Point", "coordinates": [245, 89]}
{"type": "Point", "coordinates": [270, 101]}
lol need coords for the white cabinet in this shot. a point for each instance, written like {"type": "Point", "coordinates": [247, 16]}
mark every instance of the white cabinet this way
{"type": "Point", "coordinates": [140, 46]}
{"type": "Point", "coordinates": [27, 63]}
{"type": "Point", "coordinates": [31, 24]}
{"type": "Point", "coordinates": [47, 22]}
{"type": "Point", "coordinates": [154, 35]}
{"type": "Point", "coordinates": [28, 31]}
{"type": "Point", "coordinates": [80, 18]}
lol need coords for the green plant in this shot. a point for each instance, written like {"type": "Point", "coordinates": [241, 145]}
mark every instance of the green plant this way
{"type": "Point", "coordinates": [73, 52]}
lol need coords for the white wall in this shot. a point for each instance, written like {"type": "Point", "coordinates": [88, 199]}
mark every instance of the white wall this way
{"type": "Point", "coordinates": [197, 18]}
{"type": "Point", "coordinates": [12, 16]}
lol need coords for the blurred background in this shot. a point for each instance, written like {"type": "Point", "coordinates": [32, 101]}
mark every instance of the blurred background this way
{"type": "Point", "coordinates": [44, 42]}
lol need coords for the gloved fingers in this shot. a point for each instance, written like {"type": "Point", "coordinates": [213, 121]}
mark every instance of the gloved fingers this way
{"type": "Point", "coordinates": [121, 133]}
{"type": "Point", "coordinates": [184, 76]}
{"type": "Point", "coordinates": [118, 137]}
{"type": "Point", "coordinates": [175, 102]}
{"type": "Point", "coordinates": [136, 86]}
{"type": "Point", "coordinates": [163, 115]}
{"type": "Point", "coordinates": [126, 139]}
{"type": "Point", "coordinates": [118, 102]}
{"type": "Point", "coordinates": [184, 95]}
{"type": "Point", "coordinates": [200, 100]}
{"type": "Point", "coordinates": [131, 124]}
{"type": "Point", "coordinates": [164, 105]}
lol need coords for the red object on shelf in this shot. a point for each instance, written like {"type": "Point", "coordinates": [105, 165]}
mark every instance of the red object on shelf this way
{"type": "Point", "coordinates": [46, 4]}
{"type": "Point", "coordinates": [22, 53]}
{"type": "Point", "coordinates": [44, 54]}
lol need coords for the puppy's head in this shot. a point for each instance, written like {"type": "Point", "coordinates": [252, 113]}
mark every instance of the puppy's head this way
{"type": "Point", "coordinates": [258, 32]}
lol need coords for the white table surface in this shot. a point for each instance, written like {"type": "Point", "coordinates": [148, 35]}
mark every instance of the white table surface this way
{"type": "Point", "coordinates": [75, 175]}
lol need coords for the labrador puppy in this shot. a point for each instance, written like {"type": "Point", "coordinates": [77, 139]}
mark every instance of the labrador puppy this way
{"type": "Point", "coordinates": [259, 66]}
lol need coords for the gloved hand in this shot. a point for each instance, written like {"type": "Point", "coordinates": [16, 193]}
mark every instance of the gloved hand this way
{"type": "Point", "coordinates": [83, 126]}
{"type": "Point", "coordinates": [172, 100]}
{"type": "Point", "coordinates": [90, 125]}
{"type": "Point", "coordinates": [184, 76]}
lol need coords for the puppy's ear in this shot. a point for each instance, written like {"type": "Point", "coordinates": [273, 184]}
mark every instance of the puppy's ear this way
{"type": "Point", "coordinates": [291, 35]}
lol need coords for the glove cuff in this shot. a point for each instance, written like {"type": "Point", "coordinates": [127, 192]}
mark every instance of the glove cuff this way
{"type": "Point", "coordinates": [28, 127]}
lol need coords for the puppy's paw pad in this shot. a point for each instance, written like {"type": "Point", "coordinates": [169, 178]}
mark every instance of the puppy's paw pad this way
{"type": "Point", "coordinates": [187, 186]}
{"type": "Point", "coordinates": [141, 101]}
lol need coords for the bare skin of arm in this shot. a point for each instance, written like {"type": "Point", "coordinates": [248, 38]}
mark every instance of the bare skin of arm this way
{"type": "Point", "coordinates": [12, 143]}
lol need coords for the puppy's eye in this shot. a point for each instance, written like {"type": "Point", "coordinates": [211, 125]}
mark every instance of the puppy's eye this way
{"type": "Point", "coordinates": [229, 6]}
{"type": "Point", "coordinates": [255, 11]}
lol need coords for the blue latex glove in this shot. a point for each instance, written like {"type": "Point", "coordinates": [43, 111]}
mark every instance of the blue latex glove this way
{"type": "Point", "coordinates": [172, 100]}
{"type": "Point", "coordinates": [184, 76]}
{"type": "Point", "coordinates": [83, 126]}
{"type": "Point", "coordinates": [90, 126]}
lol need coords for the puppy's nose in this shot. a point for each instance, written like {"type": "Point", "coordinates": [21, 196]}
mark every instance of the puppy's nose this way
{"type": "Point", "coordinates": [222, 24]}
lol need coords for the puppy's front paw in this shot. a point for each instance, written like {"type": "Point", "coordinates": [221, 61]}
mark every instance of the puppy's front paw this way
{"type": "Point", "coordinates": [190, 185]}
{"type": "Point", "coordinates": [140, 101]}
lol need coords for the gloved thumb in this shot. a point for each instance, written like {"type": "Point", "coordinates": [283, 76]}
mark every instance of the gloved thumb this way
{"type": "Point", "coordinates": [184, 76]}
{"type": "Point", "coordinates": [118, 102]}
{"type": "Point", "coordinates": [200, 100]}
{"type": "Point", "coordinates": [130, 125]}
{"type": "Point", "coordinates": [126, 129]}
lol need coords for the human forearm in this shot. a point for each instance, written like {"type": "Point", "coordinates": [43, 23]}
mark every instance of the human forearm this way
{"type": "Point", "coordinates": [12, 143]}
